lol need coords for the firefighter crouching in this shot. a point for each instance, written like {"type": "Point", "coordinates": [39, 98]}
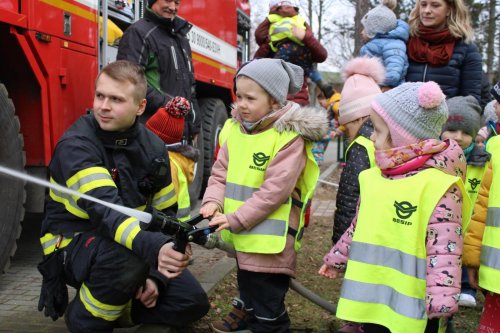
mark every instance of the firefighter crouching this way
{"type": "Point", "coordinates": [123, 274]}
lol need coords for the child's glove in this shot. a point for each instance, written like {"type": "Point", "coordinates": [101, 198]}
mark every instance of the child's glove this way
{"type": "Point", "coordinates": [178, 107]}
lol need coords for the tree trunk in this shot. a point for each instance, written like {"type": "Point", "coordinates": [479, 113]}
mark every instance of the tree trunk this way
{"type": "Point", "coordinates": [490, 49]}
{"type": "Point", "coordinates": [362, 7]}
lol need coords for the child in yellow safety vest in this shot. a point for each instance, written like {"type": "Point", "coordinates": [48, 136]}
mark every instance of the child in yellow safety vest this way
{"type": "Point", "coordinates": [168, 124]}
{"type": "Point", "coordinates": [482, 241]}
{"type": "Point", "coordinates": [462, 126]}
{"type": "Point", "coordinates": [402, 252]}
{"type": "Point", "coordinates": [282, 36]}
{"type": "Point", "coordinates": [329, 99]}
{"type": "Point", "coordinates": [261, 183]}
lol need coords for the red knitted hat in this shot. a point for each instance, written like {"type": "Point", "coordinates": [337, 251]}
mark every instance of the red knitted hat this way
{"type": "Point", "coordinates": [168, 122]}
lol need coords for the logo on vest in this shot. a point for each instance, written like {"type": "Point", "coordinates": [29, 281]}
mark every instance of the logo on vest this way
{"type": "Point", "coordinates": [259, 159]}
{"type": "Point", "coordinates": [404, 210]}
{"type": "Point", "coordinates": [473, 183]}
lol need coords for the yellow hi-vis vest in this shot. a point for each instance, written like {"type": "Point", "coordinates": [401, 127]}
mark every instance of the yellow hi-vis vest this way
{"type": "Point", "coordinates": [385, 281]}
{"type": "Point", "coordinates": [281, 28]}
{"type": "Point", "coordinates": [475, 174]}
{"type": "Point", "coordinates": [183, 199]}
{"type": "Point", "coordinates": [368, 145]}
{"type": "Point", "coordinates": [489, 269]}
{"type": "Point", "coordinates": [249, 156]}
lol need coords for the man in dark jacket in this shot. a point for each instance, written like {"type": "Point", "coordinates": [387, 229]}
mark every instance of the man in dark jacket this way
{"type": "Point", "coordinates": [124, 275]}
{"type": "Point", "coordinates": [158, 43]}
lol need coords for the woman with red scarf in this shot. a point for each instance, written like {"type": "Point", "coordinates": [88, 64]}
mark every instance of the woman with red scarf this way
{"type": "Point", "coordinates": [440, 48]}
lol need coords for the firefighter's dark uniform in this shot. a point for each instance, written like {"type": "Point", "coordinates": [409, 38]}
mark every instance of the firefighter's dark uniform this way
{"type": "Point", "coordinates": [108, 256]}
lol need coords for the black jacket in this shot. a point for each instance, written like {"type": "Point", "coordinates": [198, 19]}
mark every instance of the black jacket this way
{"type": "Point", "coordinates": [348, 193]}
{"type": "Point", "coordinates": [160, 46]}
{"type": "Point", "coordinates": [126, 155]}
{"type": "Point", "coordinates": [462, 75]}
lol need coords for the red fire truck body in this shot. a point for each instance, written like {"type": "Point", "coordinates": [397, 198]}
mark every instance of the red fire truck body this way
{"type": "Point", "coordinates": [51, 52]}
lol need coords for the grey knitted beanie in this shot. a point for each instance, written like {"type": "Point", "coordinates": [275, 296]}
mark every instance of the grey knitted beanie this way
{"type": "Point", "coordinates": [279, 78]}
{"type": "Point", "coordinates": [413, 111]}
{"type": "Point", "coordinates": [379, 20]}
{"type": "Point", "coordinates": [489, 114]}
{"type": "Point", "coordinates": [463, 115]}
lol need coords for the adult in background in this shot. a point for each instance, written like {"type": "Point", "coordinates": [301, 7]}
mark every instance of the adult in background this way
{"type": "Point", "coordinates": [159, 44]}
{"type": "Point", "coordinates": [440, 48]}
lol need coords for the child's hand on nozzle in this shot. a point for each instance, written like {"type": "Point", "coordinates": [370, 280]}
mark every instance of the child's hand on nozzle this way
{"type": "Point", "coordinates": [219, 220]}
{"type": "Point", "coordinates": [328, 272]}
{"type": "Point", "coordinates": [209, 209]}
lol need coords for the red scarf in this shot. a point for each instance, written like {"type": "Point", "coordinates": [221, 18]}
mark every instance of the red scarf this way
{"type": "Point", "coordinates": [433, 47]}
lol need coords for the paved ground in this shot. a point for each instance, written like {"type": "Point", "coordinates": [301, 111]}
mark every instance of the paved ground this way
{"type": "Point", "coordinates": [20, 285]}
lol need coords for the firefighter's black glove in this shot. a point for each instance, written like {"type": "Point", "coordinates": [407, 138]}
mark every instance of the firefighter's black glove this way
{"type": "Point", "coordinates": [54, 293]}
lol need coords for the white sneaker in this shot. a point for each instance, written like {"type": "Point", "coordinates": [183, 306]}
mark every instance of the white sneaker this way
{"type": "Point", "coordinates": [467, 300]}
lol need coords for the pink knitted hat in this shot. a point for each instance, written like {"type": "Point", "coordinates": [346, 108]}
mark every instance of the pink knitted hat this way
{"type": "Point", "coordinates": [362, 78]}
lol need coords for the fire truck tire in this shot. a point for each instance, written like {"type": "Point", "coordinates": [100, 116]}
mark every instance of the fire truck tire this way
{"type": "Point", "coordinates": [12, 192]}
{"type": "Point", "coordinates": [214, 116]}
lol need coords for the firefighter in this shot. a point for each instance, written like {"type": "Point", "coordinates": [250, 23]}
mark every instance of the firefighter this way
{"type": "Point", "coordinates": [123, 275]}
{"type": "Point", "coordinates": [158, 43]}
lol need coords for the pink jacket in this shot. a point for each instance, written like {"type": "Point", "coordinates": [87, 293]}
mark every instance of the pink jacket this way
{"type": "Point", "coordinates": [444, 230]}
{"type": "Point", "coordinates": [280, 183]}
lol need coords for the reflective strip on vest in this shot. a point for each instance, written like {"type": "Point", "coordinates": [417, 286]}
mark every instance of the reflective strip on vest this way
{"type": "Point", "coordinates": [250, 155]}
{"type": "Point", "coordinates": [281, 28]}
{"type": "Point", "coordinates": [489, 269]}
{"type": "Point", "coordinates": [475, 174]}
{"type": "Point", "coordinates": [183, 199]}
{"type": "Point", "coordinates": [368, 145]}
{"type": "Point", "coordinates": [385, 280]}
{"type": "Point", "coordinates": [165, 197]}
{"type": "Point", "coordinates": [83, 181]}
{"type": "Point", "coordinates": [127, 231]}
{"type": "Point", "coordinates": [98, 309]}
{"type": "Point", "coordinates": [49, 242]}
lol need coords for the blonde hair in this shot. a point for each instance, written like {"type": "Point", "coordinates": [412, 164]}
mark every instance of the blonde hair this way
{"type": "Point", "coordinates": [126, 71]}
{"type": "Point", "coordinates": [458, 22]}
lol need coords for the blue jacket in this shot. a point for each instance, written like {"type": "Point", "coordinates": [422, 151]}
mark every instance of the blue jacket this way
{"type": "Point", "coordinates": [391, 49]}
{"type": "Point", "coordinates": [462, 75]}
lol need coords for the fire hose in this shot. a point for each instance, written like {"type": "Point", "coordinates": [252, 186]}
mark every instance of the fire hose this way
{"type": "Point", "coordinates": [183, 232]}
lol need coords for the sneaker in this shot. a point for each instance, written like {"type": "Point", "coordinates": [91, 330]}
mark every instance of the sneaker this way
{"type": "Point", "coordinates": [351, 328]}
{"type": "Point", "coordinates": [234, 321]}
{"type": "Point", "coordinates": [467, 300]}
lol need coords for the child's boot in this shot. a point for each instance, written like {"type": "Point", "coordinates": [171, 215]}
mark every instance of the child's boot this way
{"type": "Point", "coordinates": [234, 321]}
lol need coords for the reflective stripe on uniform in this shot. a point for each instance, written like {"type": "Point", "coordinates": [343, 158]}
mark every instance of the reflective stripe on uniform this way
{"type": "Point", "coordinates": [493, 218]}
{"type": "Point", "coordinates": [490, 257]}
{"type": "Point", "coordinates": [49, 242]}
{"type": "Point", "coordinates": [127, 231]}
{"type": "Point", "coordinates": [388, 257]}
{"type": "Point", "coordinates": [165, 197]}
{"type": "Point", "coordinates": [98, 309]}
{"type": "Point", "coordinates": [83, 181]}
{"type": "Point", "coordinates": [379, 294]}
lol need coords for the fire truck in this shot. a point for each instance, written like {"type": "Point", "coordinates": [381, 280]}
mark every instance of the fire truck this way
{"type": "Point", "coordinates": [51, 52]}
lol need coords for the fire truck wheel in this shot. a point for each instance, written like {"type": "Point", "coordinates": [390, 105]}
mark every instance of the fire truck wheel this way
{"type": "Point", "coordinates": [12, 192]}
{"type": "Point", "coordinates": [214, 117]}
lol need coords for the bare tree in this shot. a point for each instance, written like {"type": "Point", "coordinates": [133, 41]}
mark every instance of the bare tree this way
{"type": "Point", "coordinates": [490, 39]}
{"type": "Point", "coordinates": [362, 7]}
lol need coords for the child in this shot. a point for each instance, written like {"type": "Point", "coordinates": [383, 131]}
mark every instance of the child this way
{"type": "Point", "coordinates": [362, 78]}
{"type": "Point", "coordinates": [491, 114]}
{"type": "Point", "coordinates": [285, 35]}
{"type": "Point", "coordinates": [168, 124]}
{"type": "Point", "coordinates": [481, 244]}
{"type": "Point", "coordinates": [259, 189]}
{"type": "Point", "coordinates": [404, 247]}
{"type": "Point", "coordinates": [119, 270]}
{"type": "Point", "coordinates": [330, 102]}
{"type": "Point", "coordinates": [462, 126]}
{"type": "Point", "coordinates": [386, 39]}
